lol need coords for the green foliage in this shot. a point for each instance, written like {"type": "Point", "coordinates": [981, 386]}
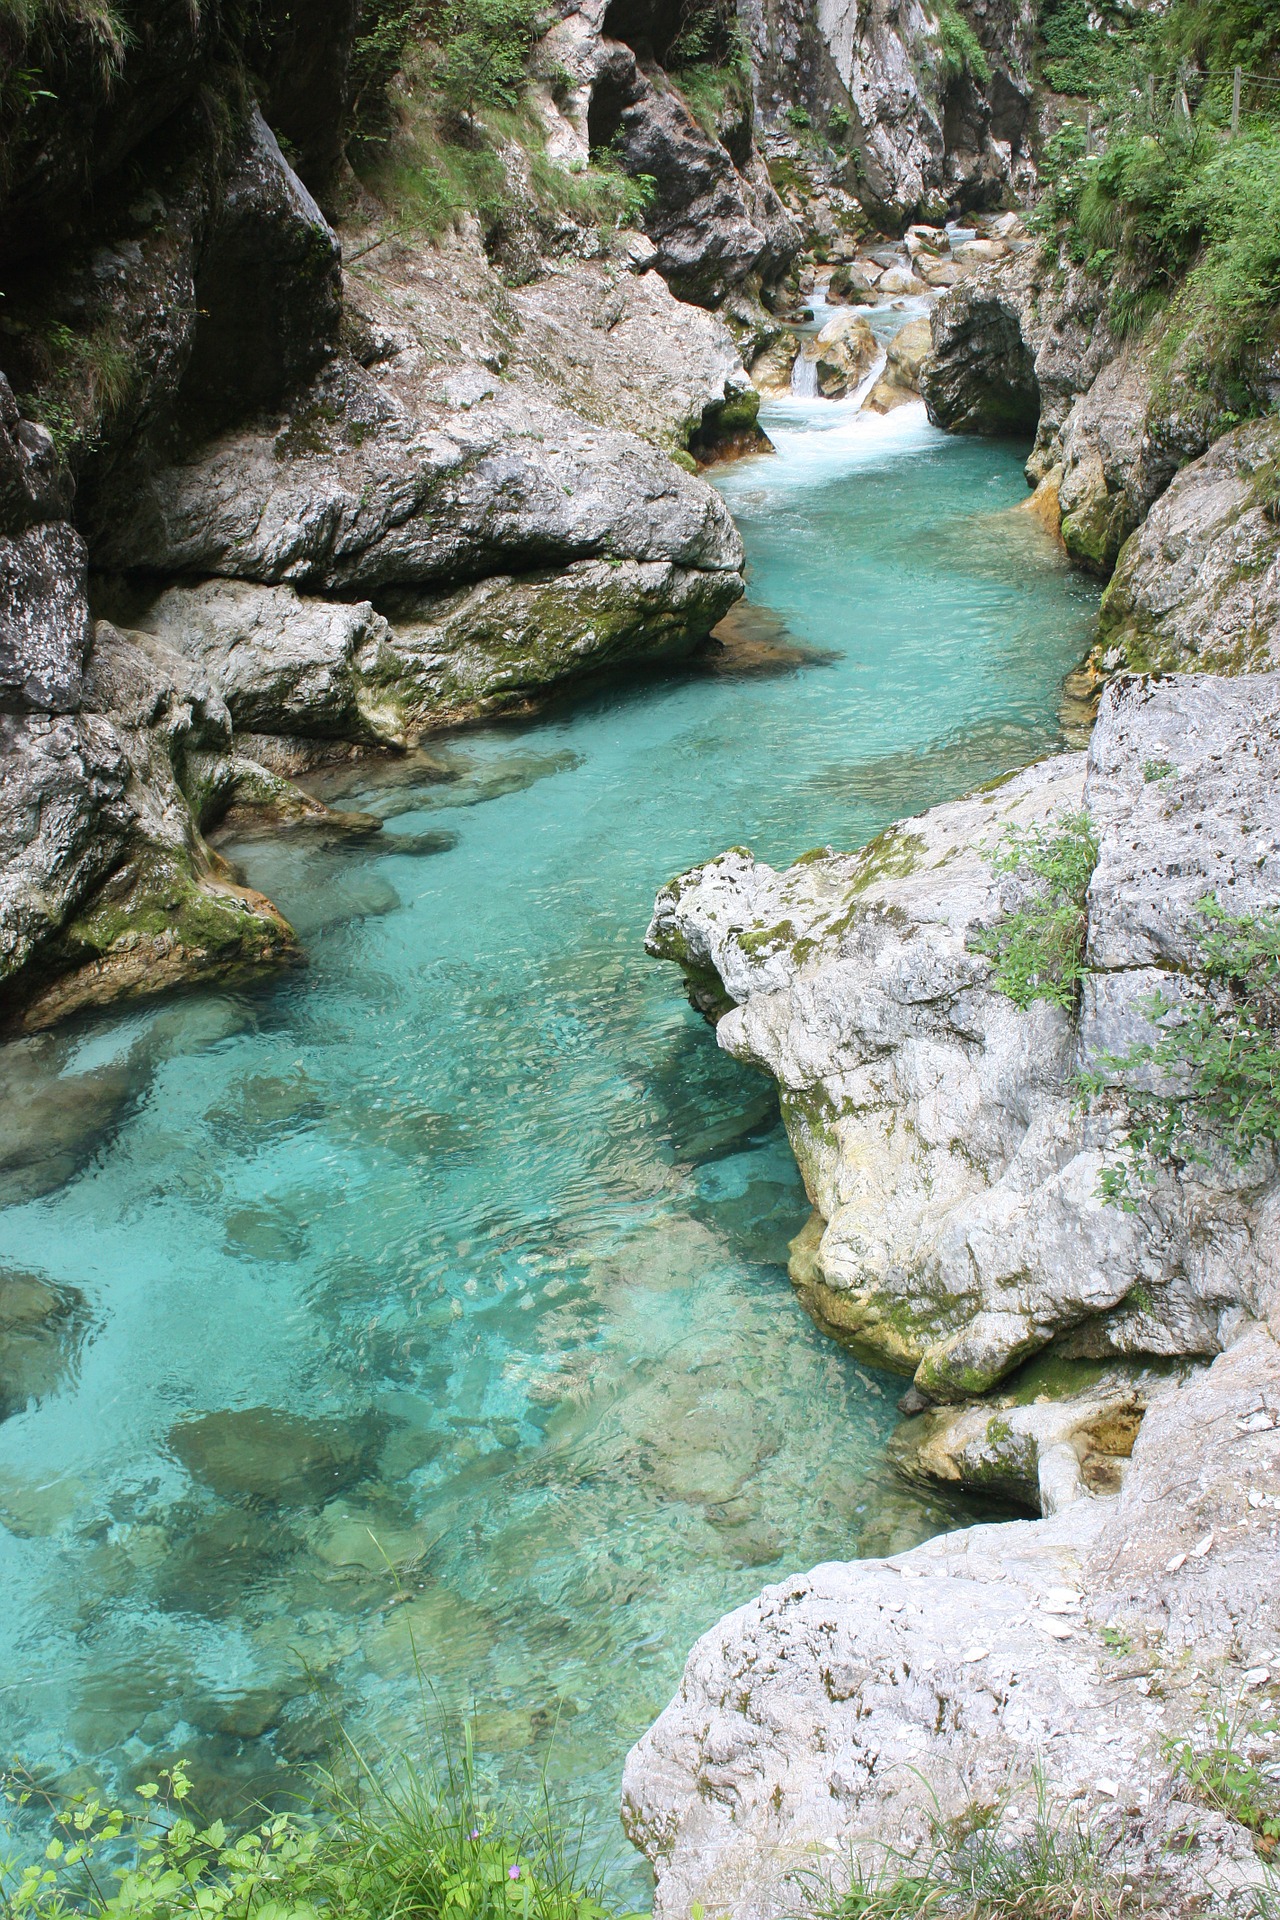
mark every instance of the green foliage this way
{"type": "Point", "coordinates": [960, 47]}
{"type": "Point", "coordinates": [420, 1847]}
{"type": "Point", "coordinates": [799, 118]}
{"type": "Point", "coordinates": [385, 30]}
{"type": "Point", "coordinates": [1059, 1869]}
{"type": "Point", "coordinates": [1179, 218]}
{"type": "Point", "coordinates": [1219, 1771]}
{"type": "Point", "coordinates": [1219, 1052]}
{"type": "Point", "coordinates": [81, 381]}
{"type": "Point", "coordinates": [484, 51]}
{"type": "Point", "coordinates": [1039, 950]}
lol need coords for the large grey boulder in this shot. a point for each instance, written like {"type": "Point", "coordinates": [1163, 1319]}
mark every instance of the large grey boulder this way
{"type": "Point", "coordinates": [850, 1713]}
{"type": "Point", "coordinates": [959, 1223]}
{"type": "Point", "coordinates": [701, 214]}
{"type": "Point", "coordinates": [1198, 585]}
{"type": "Point", "coordinates": [363, 486]}
{"type": "Point", "coordinates": [107, 889]}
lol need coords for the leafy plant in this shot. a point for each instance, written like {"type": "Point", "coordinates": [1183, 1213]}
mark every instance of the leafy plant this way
{"type": "Point", "coordinates": [1038, 950]}
{"type": "Point", "coordinates": [419, 1846]}
{"type": "Point", "coordinates": [1219, 1054]}
{"type": "Point", "coordinates": [1217, 1768]}
{"type": "Point", "coordinates": [960, 46]}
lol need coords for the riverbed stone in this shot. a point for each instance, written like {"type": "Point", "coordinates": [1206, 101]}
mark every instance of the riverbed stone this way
{"type": "Point", "coordinates": [39, 1327]}
{"type": "Point", "coordinates": [905, 356]}
{"type": "Point", "coordinates": [844, 350]}
{"type": "Point", "coordinates": [262, 1454]}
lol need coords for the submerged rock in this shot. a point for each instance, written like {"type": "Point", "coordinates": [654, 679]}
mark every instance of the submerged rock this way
{"type": "Point", "coordinates": [262, 1454]}
{"type": "Point", "coordinates": [39, 1327]}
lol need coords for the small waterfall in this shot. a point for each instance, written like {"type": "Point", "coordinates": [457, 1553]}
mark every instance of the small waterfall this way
{"type": "Point", "coordinates": [868, 380]}
{"type": "Point", "coordinates": [804, 377]}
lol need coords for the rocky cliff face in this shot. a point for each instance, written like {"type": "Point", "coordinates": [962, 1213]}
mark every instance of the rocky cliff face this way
{"type": "Point", "coordinates": [252, 508]}
{"type": "Point", "coordinates": [926, 129]}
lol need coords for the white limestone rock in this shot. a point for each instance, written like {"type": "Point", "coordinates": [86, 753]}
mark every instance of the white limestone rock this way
{"type": "Point", "coordinates": [959, 1224]}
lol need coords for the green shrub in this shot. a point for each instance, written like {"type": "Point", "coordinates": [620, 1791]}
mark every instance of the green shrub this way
{"type": "Point", "coordinates": [960, 46]}
{"type": "Point", "coordinates": [420, 1846]}
{"type": "Point", "coordinates": [1180, 219]}
{"type": "Point", "coordinates": [1039, 950]}
{"type": "Point", "coordinates": [1220, 1051]}
{"type": "Point", "coordinates": [1221, 1773]}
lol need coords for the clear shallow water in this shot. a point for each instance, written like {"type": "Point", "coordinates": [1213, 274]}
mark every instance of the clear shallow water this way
{"type": "Point", "coordinates": [477, 1212]}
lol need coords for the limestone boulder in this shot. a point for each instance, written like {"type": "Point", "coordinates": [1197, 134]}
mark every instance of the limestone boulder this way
{"type": "Point", "coordinates": [846, 1715]}
{"type": "Point", "coordinates": [960, 1224]}
{"type": "Point", "coordinates": [45, 628]}
{"type": "Point", "coordinates": [365, 484]}
{"type": "Point", "coordinates": [1198, 585]}
{"type": "Point", "coordinates": [771, 370]}
{"type": "Point", "coordinates": [844, 352]}
{"type": "Point", "coordinates": [905, 356]}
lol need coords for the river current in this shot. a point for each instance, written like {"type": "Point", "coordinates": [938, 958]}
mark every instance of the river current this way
{"type": "Point", "coordinates": [429, 1309]}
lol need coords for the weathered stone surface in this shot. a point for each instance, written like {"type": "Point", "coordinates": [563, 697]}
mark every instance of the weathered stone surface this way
{"type": "Point", "coordinates": [44, 619]}
{"type": "Point", "coordinates": [33, 483]}
{"type": "Point", "coordinates": [844, 350]}
{"type": "Point", "coordinates": [1040, 1450]}
{"type": "Point", "coordinates": [376, 493]}
{"type": "Point", "coordinates": [922, 139]}
{"type": "Point", "coordinates": [846, 1710]}
{"type": "Point", "coordinates": [907, 352]}
{"type": "Point", "coordinates": [106, 888]}
{"type": "Point", "coordinates": [982, 375]}
{"type": "Point", "coordinates": [1198, 585]}
{"type": "Point", "coordinates": [281, 663]}
{"type": "Point", "coordinates": [959, 1221]}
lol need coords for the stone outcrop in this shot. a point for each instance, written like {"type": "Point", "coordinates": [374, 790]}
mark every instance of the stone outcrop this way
{"type": "Point", "coordinates": [904, 360]}
{"type": "Point", "coordinates": [1024, 346]}
{"type": "Point", "coordinates": [960, 1224]}
{"type": "Point", "coordinates": [312, 513]}
{"type": "Point", "coordinates": [923, 133]}
{"type": "Point", "coordinates": [856, 1710]}
{"type": "Point", "coordinates": [1198, 585]}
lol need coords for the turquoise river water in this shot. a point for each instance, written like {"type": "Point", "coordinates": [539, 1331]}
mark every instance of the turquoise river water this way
{"type": "Point", "coordinates": [468, 1239]}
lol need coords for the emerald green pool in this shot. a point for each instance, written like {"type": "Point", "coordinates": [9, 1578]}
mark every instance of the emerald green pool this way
{"type": "Point", "coordinates": [476, 1211]}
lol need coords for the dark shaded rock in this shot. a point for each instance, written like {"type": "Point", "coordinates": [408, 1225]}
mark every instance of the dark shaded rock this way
{"type": "Point", "coordinates": [45, 627]}
{"type": "Point", "coordinates": [280, 1459]}
{"type": "Point", "coordinates": [982, 374]}
{"type": "Point", "coordinates": [99, 89]}
{"type": "Point", "coordinates": [267, 287]}
{"type": "Point", "coordinates": [699, 219]}
{"type": "Point", "coordinates": [38, 1336]}
{"type": "Point", "coordinates": [34, 485]}
{"type": "Point", "coordinates": [301, 56]}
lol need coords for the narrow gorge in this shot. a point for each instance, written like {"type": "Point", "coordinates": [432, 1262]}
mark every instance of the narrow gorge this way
{"type": "Point", "coordinates": [461, 465]}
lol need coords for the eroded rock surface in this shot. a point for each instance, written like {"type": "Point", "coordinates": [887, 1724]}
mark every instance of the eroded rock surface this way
{"type": "Point", "coordinates": [960, 1224]}
{"type": "Point", "coordinates": [843, 1710]}
{"type": "Point", "coordinates": [1198, 585]}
